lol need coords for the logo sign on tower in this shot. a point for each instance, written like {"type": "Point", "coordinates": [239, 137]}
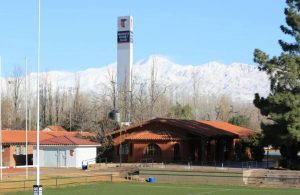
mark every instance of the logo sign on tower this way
{"type": "Point", "coordinates": [125, 37]}
{"type": "Point", "coordinates": [122, 22]}
{"type": "Point", "coordinates": [125, 28]}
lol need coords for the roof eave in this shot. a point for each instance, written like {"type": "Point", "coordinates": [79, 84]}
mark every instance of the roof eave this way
{"type": "Point", "coordinates": [69, 145]}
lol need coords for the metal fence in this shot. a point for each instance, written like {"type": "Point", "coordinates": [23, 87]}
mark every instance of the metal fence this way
{"type": "Point", "coordinates": [148, 162]}
{"type": "Point", "coordinates": [18, 185]}
{"type": "Point", "coordinates": [242, 165]}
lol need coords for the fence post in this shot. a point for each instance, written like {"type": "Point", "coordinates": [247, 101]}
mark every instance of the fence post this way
{"type": "Point", "coordinates": [152, 162]}
{"type": "Point", "coordinates": [56, 181]}
{"type": "Point", "coordinates": [111, 177]}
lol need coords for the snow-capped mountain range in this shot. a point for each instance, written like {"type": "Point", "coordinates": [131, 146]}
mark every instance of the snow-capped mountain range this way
{"type": "Point", "coordinates": [240, 81]}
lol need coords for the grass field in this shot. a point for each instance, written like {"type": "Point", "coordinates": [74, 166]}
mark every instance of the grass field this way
{"type": "Point", "coordinates": [160, 189]}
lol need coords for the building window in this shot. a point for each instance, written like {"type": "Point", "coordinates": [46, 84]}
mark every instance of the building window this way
{"type": "Point", "coordinates": [20, 150]}
{"type": "Point", "coordinates": [124, 149]}
{"type": "Point", "coordinates": [23, 150]}
{"type": "Point", "coordinates": [71, 152]}
{"type": "Point", "coordinates": [152, 150]}
{"type": "Point", "coordinates": [17, 150]}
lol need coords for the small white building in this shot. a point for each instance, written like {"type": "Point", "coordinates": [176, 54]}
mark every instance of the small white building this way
{"type": "Point", "coordinates": [66, 151]}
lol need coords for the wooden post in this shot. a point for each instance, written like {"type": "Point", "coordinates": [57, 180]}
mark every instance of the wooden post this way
{"type": "Point", "coordinates": [203, 150]}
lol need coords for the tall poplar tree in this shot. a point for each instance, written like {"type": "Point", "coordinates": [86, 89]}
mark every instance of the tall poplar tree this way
{"type": "Point", "coordinates": [282, 106]}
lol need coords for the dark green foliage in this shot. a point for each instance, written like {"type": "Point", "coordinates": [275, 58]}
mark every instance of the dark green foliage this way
{"type": "Point", "coordinates": [102, 128]}
{"type": "Point", "coordinates": [254, 143]}
{"type": "Point", "coordinates": [240, 120]}
{"type": "Point", "coordinates": [282, 106]}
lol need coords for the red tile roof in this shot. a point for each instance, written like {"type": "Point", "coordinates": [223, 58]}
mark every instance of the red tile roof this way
{"type": "Point", "coordinates": [201, 128]}
{"type": "Point", "coordinates": [148, 135]}
{"type": "Point", "coordinates": [72, 133]}
{"type": "Point", "coordinates": [19, 136]}
{"type": "Point", "coordinates": [68, 140]}
{"type": "Point", "coordinates": [241, 131]}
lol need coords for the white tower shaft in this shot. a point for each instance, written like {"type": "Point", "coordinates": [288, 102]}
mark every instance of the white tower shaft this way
{"type": "Point", "coordinates": [125, 61]}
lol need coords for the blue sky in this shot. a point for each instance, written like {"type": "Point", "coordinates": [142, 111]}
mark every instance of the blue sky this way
{"type": "Point", "coordinates": [80, 34]}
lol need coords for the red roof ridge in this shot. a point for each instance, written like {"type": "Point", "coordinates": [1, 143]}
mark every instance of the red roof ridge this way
{"type": "Point", "coordinates": [67, 140]}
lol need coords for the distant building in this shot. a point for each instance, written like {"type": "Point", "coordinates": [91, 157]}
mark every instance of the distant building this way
{"type": "Point", "coordinates": [14, 141]}
{"type": "Point", "coordinates": [174, 140]}
{"type": "Point", "coordinates": [66, 151]}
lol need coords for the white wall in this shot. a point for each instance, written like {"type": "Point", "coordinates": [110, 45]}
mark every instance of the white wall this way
{"type": "Point", "coordinates": [80, 154]}
{"type": "Point", "coordinates": [70, 160]}
{"type": "Point", "coordinates": [85, 153]}
{"type": "Point", "coordinates": [41, 156]}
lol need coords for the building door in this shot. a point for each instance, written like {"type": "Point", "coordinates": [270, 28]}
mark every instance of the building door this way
{"type": "Point", "coordinates": [176, 150]}
{"type": "Point", "coordinates": [192, 152]}
{"type": "Point", "coordinates": [62, 157]}
{"type": "Point", "coordinates": [50, 157]}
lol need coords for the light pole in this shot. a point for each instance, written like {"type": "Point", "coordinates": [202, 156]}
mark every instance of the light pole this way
{"type": "Point", "coordinates": [26, 117]}
{"type": "Point", "coordinates": [1, 163]}
{"type": "Point", "coordinates": [37, 189]}
{"type": "Point", "coordinates": [70, 106]}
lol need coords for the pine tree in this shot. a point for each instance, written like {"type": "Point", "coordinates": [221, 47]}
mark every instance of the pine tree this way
{"type": "Point", "coordinates": [282, 106]}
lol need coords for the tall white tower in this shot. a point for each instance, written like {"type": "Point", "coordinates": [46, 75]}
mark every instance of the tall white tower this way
{"type": "Point", "coordinates": [125, 61]}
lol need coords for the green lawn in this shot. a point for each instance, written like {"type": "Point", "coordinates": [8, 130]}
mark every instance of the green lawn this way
{"type": "Point", "coordinates": [160, 189]}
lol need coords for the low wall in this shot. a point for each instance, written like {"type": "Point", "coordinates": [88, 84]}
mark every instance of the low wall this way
{"type": "Point", "coordinates": [220, 177]}
{"type": "Point", "coordinates": [274, 178]}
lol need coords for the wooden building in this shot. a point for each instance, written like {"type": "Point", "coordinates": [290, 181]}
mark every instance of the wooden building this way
{"type": "Point", "coordinates": [174, 140]}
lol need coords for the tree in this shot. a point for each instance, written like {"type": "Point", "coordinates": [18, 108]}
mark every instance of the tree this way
{"type": "Point", "coordinates": [255, 144]}
{"type": "Point", "coordinates": [15, 83]}
{"type": "Point", "coordinates": [239, 120]}
{"type": "Point", "coordinates": [156, 90]}
{"type": "Point", "coordinates": [182, 112]}
{"type": "Point", "coordinates": [102, 128]}
{"type": "Point", "coordinates": [224, 108]}
{"type": "Point", "coordinates": [282, 106]}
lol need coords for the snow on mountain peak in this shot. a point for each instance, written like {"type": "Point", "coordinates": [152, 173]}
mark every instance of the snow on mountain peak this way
{"type": "Point", "coordinates": [240, 81]}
